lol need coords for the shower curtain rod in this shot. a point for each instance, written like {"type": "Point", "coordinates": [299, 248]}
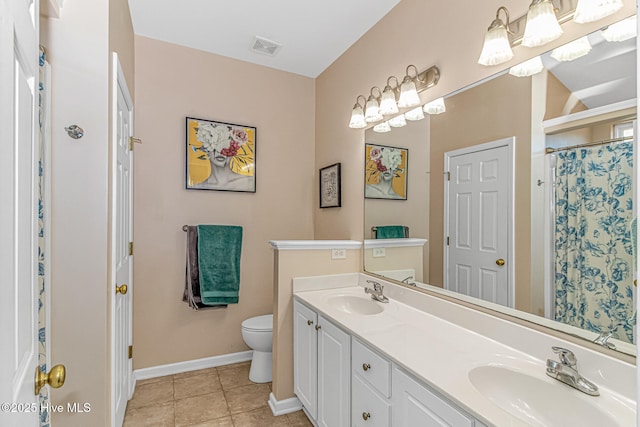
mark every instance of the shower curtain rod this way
{"type": "Point", "coordinates": [589, 144]}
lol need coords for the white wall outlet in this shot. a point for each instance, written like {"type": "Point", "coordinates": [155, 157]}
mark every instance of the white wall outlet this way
{"type": "Point", "coordinates": [338, 253]}
{"type": "Point", "coordinates": [379, 252]}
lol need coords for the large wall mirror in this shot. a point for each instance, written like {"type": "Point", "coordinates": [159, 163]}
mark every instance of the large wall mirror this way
{"type": "Point", "coordinates": [521, 196]}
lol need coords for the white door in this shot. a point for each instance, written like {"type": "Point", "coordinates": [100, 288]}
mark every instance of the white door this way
{"type": "Point", "coordinates": [122, 216]}
{"type": "Point", "coordinates": [478, 221]}
{"type": "Point", "coordinates": [18, 210]}
{"type": "Point", "coordinates": [305, 357]}
{"type": "Point", "coordinates": [334, 375]}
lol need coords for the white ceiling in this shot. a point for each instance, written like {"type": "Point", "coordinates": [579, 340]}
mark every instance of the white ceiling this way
{"type": "Point", "coordinates": [313, 34]}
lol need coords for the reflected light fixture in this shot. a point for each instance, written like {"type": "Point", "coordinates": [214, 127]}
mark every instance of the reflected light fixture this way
{"type": "Point", "coordinates": [527, 68]}
{"type": "Point", "coordinates": [388, 103]}
{"type": "Point", "coordinates": [621, 31]}
{"type": "Point", "coordinates": [408, 92]}
{"type": "Point", "coordinates": [542, 24]}
{"type": "Point", "coordinates": [382, 127]}
{"type": "Point", "coordinates": [592, 10]}
{"type": "Point", "coordinates": [573, 50]}
{"type": "Point", "coordinates": [497, 48]}
{"type": "Point", "coordinates": [398, 121]}
{"type": "Point", "coordinates": [357, 115]}
{"type": "Point", "coordinates": [372, 109]}
{"type": "Point", "coordinates": [435, 107]}
{"type": "Point", "coordinates": [415, 114]}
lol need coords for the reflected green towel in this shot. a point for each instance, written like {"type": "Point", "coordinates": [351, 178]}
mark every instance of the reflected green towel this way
{"type": "Point", "coordinates": [634, 240]}
{"type": "Point", "coordinates": [390, 232]}
{"type": "Point", "coordinates": [219, 248]}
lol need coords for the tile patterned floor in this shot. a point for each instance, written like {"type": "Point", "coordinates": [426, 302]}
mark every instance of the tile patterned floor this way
{"type": "Point", "coordinates": [214, 397]}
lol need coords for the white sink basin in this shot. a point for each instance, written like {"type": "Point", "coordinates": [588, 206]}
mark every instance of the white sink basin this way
{"type": "Point", "coordinates": [537, 402]}
{"type": "Point", "coordinates": [352, 304]}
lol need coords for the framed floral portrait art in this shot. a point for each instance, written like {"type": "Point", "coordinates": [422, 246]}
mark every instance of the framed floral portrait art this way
{"type": "Point", "coordinates": [330, 196]}
{"type": "Point", "coordinates": [385, 172]}
{"type": "Point", "coordinates": [220, 156]}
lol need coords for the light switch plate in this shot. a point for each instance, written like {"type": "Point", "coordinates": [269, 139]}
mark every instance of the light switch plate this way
{"type": "Point", "coordinates": [379, 252]}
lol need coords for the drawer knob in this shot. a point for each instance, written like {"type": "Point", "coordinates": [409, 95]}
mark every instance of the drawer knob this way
{"type": "Point", "coordinates": [366, 416]}
{"type": "Point", "coordinates": [309, 322]}
{"type": "Point", "coordinates": [366, 366]}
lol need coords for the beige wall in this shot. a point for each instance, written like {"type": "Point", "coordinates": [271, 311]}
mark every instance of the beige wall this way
{"type": "Point", "coordinates": [287, 265]}
{"type": "Point", "coordinates": [78, 49]}
{"type": "Point", "coordinates": [173, 82]}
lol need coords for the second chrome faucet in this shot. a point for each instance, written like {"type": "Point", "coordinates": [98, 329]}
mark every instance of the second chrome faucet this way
{"type": "Point", "coordinates": [566, 370]}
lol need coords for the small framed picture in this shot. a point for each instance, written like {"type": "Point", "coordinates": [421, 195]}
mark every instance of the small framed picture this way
{"type": "Point", "coordinates": [385, 172]}
{"type": "Point", "coordinates": [330, 196]}
{"type": "Point", "coordinates": [220, 156]}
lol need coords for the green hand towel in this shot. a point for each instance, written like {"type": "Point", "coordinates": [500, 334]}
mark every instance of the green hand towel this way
{"type": "Point", "coordinates": [390, 232]}
{"type": "Point", "coordinates": [219, 249]}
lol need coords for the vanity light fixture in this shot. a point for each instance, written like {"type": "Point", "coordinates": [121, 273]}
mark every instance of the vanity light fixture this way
{"type": "Point", "coordinates": [408, 91]}
{"type": "Point", "coordinates": [397, 121]}
{"type": "Point", "coordinates": [573, 50]}
{"type": "Point", "coordinates": [415, 114]}
{"type": "Point", "coordinates": [527, 68]}
{"type": "Point", "coordinates": [382, 127]}
{"type": "Point", "coordinates": [593, 10]}
{"type": "Point", "coordinates": [435, 107]}
{"type": "Point", "coordinates": [542, 24]}
{"type": "Point", "coordinates": [388, 104]}
{"type": "Point", "coordinates": [621, 31]}
{"type": "Point", "coordinates": [497, 47]}
{"type": "Point", "coordinates": [372, 109]}
{"type": "Point", "coordinates": [357, 115]}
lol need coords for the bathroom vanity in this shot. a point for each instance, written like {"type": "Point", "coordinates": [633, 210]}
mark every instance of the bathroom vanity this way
{"type": "Point", "coordinates": [420, 360]}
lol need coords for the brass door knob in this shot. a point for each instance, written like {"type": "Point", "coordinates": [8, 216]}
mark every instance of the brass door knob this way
{"type": "Point", "coordinates": [366, 366]}
{"type": "Point", "coordinates": [122, 289]}
{"type": "Point", "coordinates": [318, 327]}
{"type": "Point", "coordinates": [366, 416]}
{"type": "Point", "coordinates": [309, 322]}
{"type": "Point", "coordinates": [55, 378]}
{"type": "Point", "coordinates": [500, 262]}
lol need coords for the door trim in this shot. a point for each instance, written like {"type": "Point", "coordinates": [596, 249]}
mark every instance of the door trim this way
{"type": "Point", "coordinates": [510, 144]}
{"type": "Point", "coordinates": [118, 83]}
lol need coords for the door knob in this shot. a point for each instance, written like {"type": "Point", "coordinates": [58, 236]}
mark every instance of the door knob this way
{"type": "Point", "coordinates": [122, 289]}
{"type": "Point", "coordinates": [309, 322]}
{"type": "Point", "coordinates": [55, 378]}
{"type": "Point", "coordinates": [500, 262]}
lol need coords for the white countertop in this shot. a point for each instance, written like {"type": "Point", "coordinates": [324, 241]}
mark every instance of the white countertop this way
{"type": "Point", "coordinates": [442, 353]}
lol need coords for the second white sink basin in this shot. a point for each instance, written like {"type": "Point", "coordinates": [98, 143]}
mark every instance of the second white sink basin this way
{"type": "Point", "coordinates": [352, 304]}
{"type": "Point", "coordinates": [537, 402]}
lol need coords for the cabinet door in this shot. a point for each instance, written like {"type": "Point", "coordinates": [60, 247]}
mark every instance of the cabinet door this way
{"type": "Point", "coordinates": [334, 374]}
{"type": "Point", "coordinates": [415, 405]}
{"type": "Point", "coordinates": [305, 357]}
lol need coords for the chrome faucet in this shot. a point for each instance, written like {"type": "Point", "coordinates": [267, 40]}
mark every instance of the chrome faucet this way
{"type": "Point", "coordinates": [408, 281]}
{"type": "Point", "coordinates": [376, 292]}
{"type": "Point", "coordinates": [566, 371]}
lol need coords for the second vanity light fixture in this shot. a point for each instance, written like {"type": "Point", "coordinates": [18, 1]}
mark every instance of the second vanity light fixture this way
{"type": "Point", "coordinates": [383, 103]}
{"type": "Point", "coordinates": [541, 26]}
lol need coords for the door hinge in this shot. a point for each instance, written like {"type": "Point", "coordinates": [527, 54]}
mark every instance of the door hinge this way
{"type": "Point", "coordinates": [133, 140]}
{"type": "Point", "coordinates": [447, 240]}
{"type": "Point", "coordinates": [130, 248]}
{"type": "Point", "coordinates": [130, 352]}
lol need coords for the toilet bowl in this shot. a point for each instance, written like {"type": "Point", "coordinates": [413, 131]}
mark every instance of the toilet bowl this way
{"type": "Point", "coordinates": [257, 333]}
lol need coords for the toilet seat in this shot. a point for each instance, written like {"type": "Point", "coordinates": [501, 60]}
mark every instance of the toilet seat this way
{"type": "Point", "coordinates": [259, 323]}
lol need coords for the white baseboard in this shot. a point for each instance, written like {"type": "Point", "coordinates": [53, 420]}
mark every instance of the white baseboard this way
{"type": "Point", "coordinates": [286, 406]}
{"type": "Point", "coordinates": [191, 365]}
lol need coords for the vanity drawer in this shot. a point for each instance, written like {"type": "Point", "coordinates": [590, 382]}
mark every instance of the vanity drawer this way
{"type": "Point", "coordinates": [368, 409]}
{"type": "Point", "coordinates": [372, 367]}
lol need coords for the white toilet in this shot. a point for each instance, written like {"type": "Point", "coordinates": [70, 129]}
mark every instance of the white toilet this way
{"type": "Point", "coordinates": [257, 333]}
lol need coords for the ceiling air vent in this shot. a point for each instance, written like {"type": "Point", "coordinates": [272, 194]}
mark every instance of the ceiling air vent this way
{"type": "Point", "coordinates": [265, 46]}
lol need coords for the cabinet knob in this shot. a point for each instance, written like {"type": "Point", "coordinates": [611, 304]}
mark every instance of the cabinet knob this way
{"type": "Point", "coordinates": [366, 416]}
{"type": "Point", "coordinates": [309, 322]}
{"type": "Point", "coordinates": [318, 327]}
{"type": "Point", "coordinates": [366, 366]}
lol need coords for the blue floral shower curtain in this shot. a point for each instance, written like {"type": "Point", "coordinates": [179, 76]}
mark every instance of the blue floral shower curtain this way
{"type": "Point", "coordinates": [593, 259]}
